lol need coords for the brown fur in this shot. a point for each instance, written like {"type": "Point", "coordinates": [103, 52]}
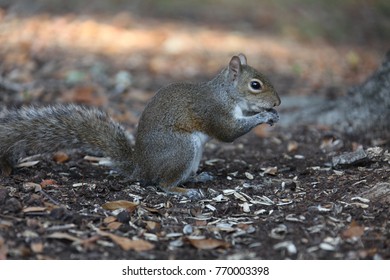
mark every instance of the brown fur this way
{"type": "Point", "coordinates": [171, 133]}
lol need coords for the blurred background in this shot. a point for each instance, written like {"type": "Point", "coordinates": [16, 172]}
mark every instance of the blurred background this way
{"type": "Point", "coordinates": [116, 54]}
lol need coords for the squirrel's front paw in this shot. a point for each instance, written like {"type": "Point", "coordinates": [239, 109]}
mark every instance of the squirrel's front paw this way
{"type": "Point", "coordinates": [270, 116]}
{"type": "Point", "coordinates": [193, 194]}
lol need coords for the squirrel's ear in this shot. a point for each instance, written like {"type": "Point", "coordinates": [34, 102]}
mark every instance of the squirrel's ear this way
{"type": "Point", "coordinates": [234, 68]}
{"type": "Point", "coordinates": [243, 59]}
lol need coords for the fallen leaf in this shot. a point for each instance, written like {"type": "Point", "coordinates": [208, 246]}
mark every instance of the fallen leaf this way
{"type": "Point", "coordinates": [208, 244]}
{"type": "Point", "coordinates": [200, 223]}
{"type": "Point", "coordinates": [109, 219]}
{"type": "Point", "coordinates": [89, 242]}
{"type": "Point", "coordinates": [60, 157]}
{"type": "Point", "coordinates": [48, 182]}
{"type": "Point", "coordinates": [37, 247]}
{"type": "Point", "coordinates": [354, 230]}
{"type": "Point", "coordinates": [118, 204]}
{"type": "Point", "coordinates": [128, 244]}
{"type": "Point", "coordinates": [114, 225]}
{"type": "Point", "coordinates": [292, 146]}
{"type": "Point", "coordinates": [152, 226]}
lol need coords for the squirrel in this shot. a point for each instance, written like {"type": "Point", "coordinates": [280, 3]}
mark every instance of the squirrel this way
{"type": "Point", "coordinates": [171, 134]}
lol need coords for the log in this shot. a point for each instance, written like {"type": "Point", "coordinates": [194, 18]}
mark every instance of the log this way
{"type": "Point", "coordinates": [364, 112]}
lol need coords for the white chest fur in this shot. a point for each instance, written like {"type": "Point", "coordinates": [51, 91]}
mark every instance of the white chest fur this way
{"type": "Point", "coordinates": [198, 141]}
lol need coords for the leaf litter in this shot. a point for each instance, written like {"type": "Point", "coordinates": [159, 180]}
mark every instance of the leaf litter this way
{"type": "Point", "coordinates": [276, 195]}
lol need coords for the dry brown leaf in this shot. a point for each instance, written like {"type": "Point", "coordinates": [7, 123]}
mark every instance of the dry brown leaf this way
{"type": "Point", "coordinates": [60, 157]}
{"type": "Point", "coordinates": [200, 223]}
{"type": "Point", "coordinates": [292, 146]}
{"type": "Point", "coordinates": [48, 182]}
{"type": "Point", "coordinates": [153, 226]}
{"type": "Point", "coordinates": [34, 209]}
{"type": "Point", "coordinates": [37, 247]}
{"type": "Point", "coordinates": [354, 230]}
{"type": "Point", "coordinates": [90, 242]}
{"type": "Point", "coordinates": [128, 244]}
{"type": "Point", "coordinates": [109, 219]}
{"type": "Point", "coordinates": [208, 244]}
{"type": "Point", "coordinates": [118, 204]}
{"type": "Point", "coordinates": [114, 225]}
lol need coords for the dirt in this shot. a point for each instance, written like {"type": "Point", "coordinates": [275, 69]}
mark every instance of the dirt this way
{"type": "Point", "coordinates": [302, 209]}
{"type": "Point", "coordinates": [275, 195]}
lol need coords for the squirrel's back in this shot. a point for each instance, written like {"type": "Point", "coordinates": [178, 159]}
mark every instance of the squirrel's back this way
{"type": "Point", "coordinates": [49, 129]}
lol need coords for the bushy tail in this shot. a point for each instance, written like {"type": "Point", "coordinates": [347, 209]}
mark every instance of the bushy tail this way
{"type": "Point", "coordinates": [49, 129]}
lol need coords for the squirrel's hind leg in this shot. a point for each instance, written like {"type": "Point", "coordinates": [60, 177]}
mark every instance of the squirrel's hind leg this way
{"type": "Point", "coordinates": [173, 162]}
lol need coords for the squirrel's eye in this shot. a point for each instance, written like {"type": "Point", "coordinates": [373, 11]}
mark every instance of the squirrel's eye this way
{"type": "Point", "coordinates": [255, 85]}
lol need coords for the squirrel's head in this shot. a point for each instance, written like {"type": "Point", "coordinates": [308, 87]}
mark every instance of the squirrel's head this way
{"type": "Point", "coordinates": [254, 89]}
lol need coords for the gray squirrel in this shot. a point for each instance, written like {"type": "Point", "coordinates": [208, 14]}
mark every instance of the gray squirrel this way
{"type": "Point", "coordinates": [171, 134]}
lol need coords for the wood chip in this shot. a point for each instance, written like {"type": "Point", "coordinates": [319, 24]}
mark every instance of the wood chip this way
{"type": "Point", "coordinates": [287, 245]}
{"type": "Point", "coordinates": [279, 232]}
{"type": "Point", "coordinates": [34, 209]}
{"type": "Point", "coordinates": [246, 207]}
{"type": "Point", "coordinates": [31, 186]}
{"type": "Point", "coordinates": [361, 199]}
{"type": "Point", "coordinates": [27, 163]}
{"type": "Point", "coordinates": [327, 247]}
{"type": "Point", "coordinates": [361, 205]}
{"type": "Point", "coordinates": [249, 176]}
{"type": "Point", "coordinates": [271, 170]}
{"type": "Point", "coordinates": [239, 196]}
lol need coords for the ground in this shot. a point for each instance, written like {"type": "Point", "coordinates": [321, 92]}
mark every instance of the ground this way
{"type": "Point", "coordinates": [276, 193]}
